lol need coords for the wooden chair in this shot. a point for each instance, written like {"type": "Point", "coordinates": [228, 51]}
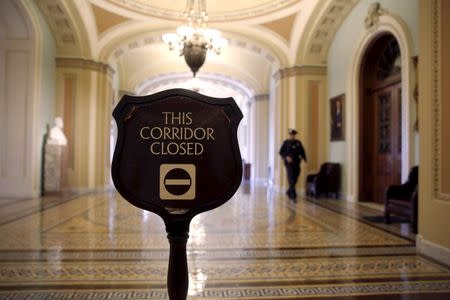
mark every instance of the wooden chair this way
{"type": "Point", "coordinates": [327, 181]}
{"type": "Point", "coordinates": [402, 200]}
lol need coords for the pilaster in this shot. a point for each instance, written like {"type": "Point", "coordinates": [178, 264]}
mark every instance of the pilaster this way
{"type": "Point", "coordinates": [84, 100]}
{"type": "Point", "coordinates": [434, 71]}
{"type": "Point", "coordinates": [301, 104]}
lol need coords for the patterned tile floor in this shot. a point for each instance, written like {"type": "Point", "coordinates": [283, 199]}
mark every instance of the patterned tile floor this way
{"type": "Point", "coordinates": [259, 245]}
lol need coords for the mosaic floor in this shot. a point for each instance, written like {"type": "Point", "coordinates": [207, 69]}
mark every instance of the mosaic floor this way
{"type": "Point", "coordinates": [257, 246]}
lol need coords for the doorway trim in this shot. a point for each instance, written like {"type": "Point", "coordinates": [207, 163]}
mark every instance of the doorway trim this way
{"type": "Point", "coordinates": [387, 24]}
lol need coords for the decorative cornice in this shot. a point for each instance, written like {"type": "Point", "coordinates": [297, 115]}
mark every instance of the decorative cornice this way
{"type": "Point", "coordinates": [300, 70]}
{"type": "Point", "coordinates": [81, 63]}
{"type": "Point", "coordinates": [261, 97]}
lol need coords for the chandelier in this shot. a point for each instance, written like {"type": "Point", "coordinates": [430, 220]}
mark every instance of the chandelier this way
{"type": "Point", "coordinates": [194, 39]}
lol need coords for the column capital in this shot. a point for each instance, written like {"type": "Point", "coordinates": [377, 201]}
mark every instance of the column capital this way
{"type": "Point", "coordinates": [81, 63]}
{"type": "Point", "coordinates": [300, 70]}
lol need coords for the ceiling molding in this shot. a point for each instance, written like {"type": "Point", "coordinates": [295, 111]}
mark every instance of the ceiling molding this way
{"type": "Point", "coordinates": [217, 12]}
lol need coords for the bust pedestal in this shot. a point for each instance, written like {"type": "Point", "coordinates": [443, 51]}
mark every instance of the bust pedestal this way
{"type": "Point", "coordinates": [54, 167]}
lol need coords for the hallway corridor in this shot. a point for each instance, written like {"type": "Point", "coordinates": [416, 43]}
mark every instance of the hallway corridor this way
{"type": "Point", "coordinates": [257, 246]}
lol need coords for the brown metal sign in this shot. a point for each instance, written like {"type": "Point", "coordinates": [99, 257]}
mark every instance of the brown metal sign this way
{"type": "Point", "coordinates": [177, 151]}
{"type": "Point", "coordinates": [177, 155]}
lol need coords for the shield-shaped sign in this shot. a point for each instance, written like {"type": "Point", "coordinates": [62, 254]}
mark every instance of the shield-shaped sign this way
{"type": "Point", "coordinates": [177, 155]}
{"type": "Point", "coordinates": [177, 152]}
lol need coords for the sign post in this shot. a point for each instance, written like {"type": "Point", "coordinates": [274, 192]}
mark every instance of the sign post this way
{"type": "Point", "coordinates": [177, 155]}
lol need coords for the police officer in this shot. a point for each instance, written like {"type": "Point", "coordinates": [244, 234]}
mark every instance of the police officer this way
{"type": "Point", "coordinates": [292, 152]}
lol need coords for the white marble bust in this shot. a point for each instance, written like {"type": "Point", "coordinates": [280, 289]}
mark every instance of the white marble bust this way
{"type": "Point", "coordinates": [56, 135]}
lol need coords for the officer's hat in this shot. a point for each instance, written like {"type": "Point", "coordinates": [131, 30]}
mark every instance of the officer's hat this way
{"type": "Point", "coordinates": [292, 131]}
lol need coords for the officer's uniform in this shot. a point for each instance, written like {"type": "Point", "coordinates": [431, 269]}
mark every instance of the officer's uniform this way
{"type": "Point", "coordinates": [295, 150]}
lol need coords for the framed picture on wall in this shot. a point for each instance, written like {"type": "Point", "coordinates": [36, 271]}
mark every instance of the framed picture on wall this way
{"type": "Point", "coordinates": [337, 118]}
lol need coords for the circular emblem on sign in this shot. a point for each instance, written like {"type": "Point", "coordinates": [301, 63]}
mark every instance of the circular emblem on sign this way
{"type": "Point", "coordinates": [177, 181]}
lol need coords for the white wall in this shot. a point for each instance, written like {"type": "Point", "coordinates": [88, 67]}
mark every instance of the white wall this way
{"type": "Point", "coordinates": [342, 48]}
{"type": "Point", "coordinates": [24, 85]}
{"type": "Point", "coordinates": [47, 82]}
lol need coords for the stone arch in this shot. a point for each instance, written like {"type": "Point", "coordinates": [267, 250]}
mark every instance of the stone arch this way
{"type": "Point", "coordinates": [315, 43]}
{"type": "Point", "coordinates": [174, 78]}
{"type": "Point", "coordinates": [67, 26]}
{"type": "Point", "coordinates": [395, 26]}
{"type": "Point", "coordinates": [112, 51]}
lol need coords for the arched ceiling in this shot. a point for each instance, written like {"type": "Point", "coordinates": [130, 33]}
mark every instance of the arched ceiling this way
{"type": "Point", "coordinates": [145, 56]}
{"type": "Point", "coordinates": [213, 85]}
{"type": "Point", "coordinates": [264, 36]}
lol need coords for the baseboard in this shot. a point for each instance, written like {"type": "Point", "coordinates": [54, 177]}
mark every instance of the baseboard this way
{"type": "Point", "coordinates": [433, 250]}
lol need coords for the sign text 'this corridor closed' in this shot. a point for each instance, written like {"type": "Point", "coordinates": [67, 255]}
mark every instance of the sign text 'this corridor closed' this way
{"type": "Point", "coordinates": [177, 137]}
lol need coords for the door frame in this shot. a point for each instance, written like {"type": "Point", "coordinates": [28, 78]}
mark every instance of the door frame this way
{"type": "Point", "coordinates": [396, 27]}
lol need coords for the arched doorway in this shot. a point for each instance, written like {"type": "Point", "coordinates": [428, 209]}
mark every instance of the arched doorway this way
{"type": "Point", "coordinates": [380, 119]}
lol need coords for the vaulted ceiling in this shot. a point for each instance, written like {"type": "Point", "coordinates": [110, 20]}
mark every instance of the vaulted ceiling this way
{"type": "Point", "coordinates": [263, 35]}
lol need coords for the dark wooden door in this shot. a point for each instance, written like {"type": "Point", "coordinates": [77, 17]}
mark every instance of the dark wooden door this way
{"type": "Point", "coordinates": [387, 142]}
{"type": "Point", "coordinates": [380, 119]}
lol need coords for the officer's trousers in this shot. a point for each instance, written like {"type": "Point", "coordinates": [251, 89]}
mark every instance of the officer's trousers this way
{"type": "Point", "coordinates": [293, 171]}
